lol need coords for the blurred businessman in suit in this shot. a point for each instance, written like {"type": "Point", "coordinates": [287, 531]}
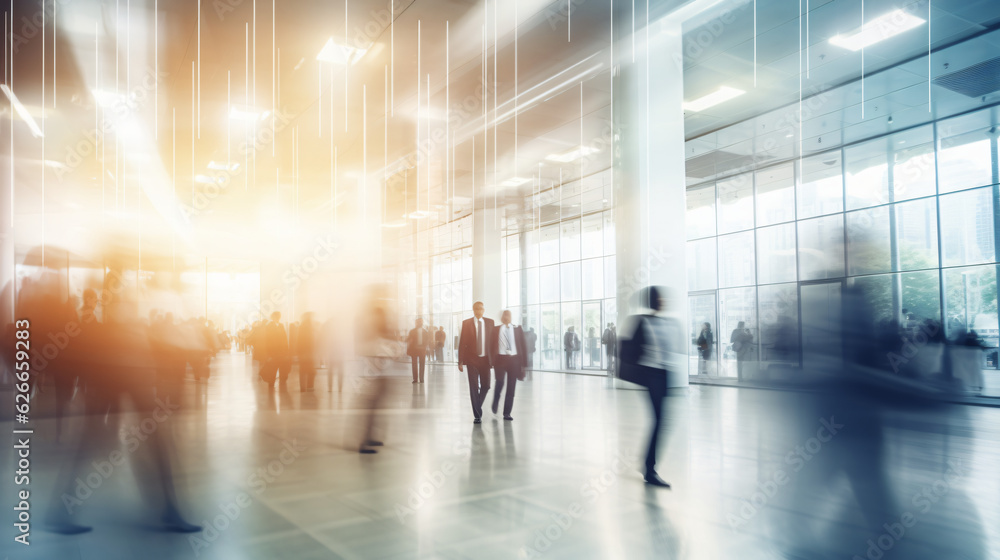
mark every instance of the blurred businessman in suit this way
{"type": "Point", "coordinates": [509, 352]}
{"type": "Point", "coordinates": [417, 343]}
{"type": "Point", "coordinates": [474, 353]}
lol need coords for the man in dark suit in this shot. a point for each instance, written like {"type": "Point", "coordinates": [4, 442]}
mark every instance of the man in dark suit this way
{"type": "Point", "coordinates": [439, 338]}
{"type": "Point", "coordinates": [417, 343]}
{"type": "Point", "coordinates": [276, 351]}
{"type": "Point", "coordinates": [571, 343]}
{"type": "Point", "coordinates": [474, 353]}
{"type": "Point", "coordinates": [509, 352]}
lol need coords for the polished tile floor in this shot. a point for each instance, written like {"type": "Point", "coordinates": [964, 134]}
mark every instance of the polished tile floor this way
{"type": "Point", "coordinates": [560, 481]}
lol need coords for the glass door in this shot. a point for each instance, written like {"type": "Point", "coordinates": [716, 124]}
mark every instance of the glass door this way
{"type": "Point", "coordinates": [591, 335]}
{"type": "Point", "coordinates": [703, 356]}
{"type": "Point", "coordinates": [821, 323]}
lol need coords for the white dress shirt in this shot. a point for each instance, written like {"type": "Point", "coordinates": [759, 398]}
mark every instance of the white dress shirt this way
{"type": "Point", "coordinates": [481, 336]}
{"type": "Point", "coordinates": [506, 343]}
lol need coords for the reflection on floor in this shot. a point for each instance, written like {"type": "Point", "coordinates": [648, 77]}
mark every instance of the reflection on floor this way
{"type": "Point", "coordinates": [277, 475]}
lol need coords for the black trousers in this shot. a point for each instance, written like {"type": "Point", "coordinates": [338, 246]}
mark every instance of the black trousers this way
{"type": "Point", "coordinates": [509, 368]}
{"type": "Point", "coordinates": [657, 392]}
{"type": "Point", "coordinates": [417, 365]}
{"type": "Point", "coordinates": [479, 385]}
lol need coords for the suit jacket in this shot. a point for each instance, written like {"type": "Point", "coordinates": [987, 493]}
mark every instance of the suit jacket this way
{"type": "Point", "coordinates": [519, 345]}
{"type": "Point", "coordinates": [275, 342]}
{"type": "Point", "coordinates": [467, 351]}
{"type": "Point", "coordinates": [413, 346]}
{"type": "Point", "coordinates": [439, 338]}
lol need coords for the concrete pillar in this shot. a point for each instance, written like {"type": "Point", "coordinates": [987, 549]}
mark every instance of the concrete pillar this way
{"type": "Point", "coordinates": [648, 162]}
{"type": "Point", "coordinates": [486, 269]}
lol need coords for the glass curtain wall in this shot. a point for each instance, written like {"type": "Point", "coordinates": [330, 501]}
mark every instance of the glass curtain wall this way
{"type": "Point", "coordinates": [560, 276]}
{"type": "Point", "coordinates": [909, 217]}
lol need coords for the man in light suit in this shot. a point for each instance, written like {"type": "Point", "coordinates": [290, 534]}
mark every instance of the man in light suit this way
{"type": "Point", "coordinates": [474, 353]}
{"type": "Point", "coordinates": [509, 352]}
{"type": "Point", "coordinates": [417, 343]}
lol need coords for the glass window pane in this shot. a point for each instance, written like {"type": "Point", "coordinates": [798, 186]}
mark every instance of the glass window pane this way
{"type": "Point", "coordinates": [776, 195]}
{"type": "Point", "coordinates": [570, 275]}
{"type": "Point", "coordinates": [571, 319]}
{"type": "Point", "coordinates": [821, 248]}
{"type": "Point", "coordinates": [570, 241]}
{"type": "Point", "coordinates": [967, 227]}
{"type": "Point", "coordinates": [513, 288]}
{"type": "Point", "coordinates": [821, 189]}
{"type": "Point", "coordinates": [776, 254]}
{"type": "Point", "coordinates": [531, 285]}
{"type": "Point", "coordinates": [513, 252]}
{"type": "Point", "coordinates": [702, 359]}
{"type": "Point", "coordinates": [868, 247]}
{"type": "Point", "coordinates": [700, 217]}
{"type": "Point", "coordinates": [610, 274]}
{"type": "Point", "coordinates": [916, 234]}
{"type": "Point", "coordinates": [609, 233]}
{"type": "Point", "coordinates": [877, 294]}
{"type": "Point", "coordinates": [548, 246]}
{"type": "Point", "coordinates": [867, 179]}
{"type": "Point", "coordinates": [779, 324]}
{"type": "Point", "coordinates": [736, 203]}
{"type": "Point", "coordinates": [921, 294]}
{"type": "Point", "coordinates": [593, 278]}
{"type": "Point", "coordinates": [964, 154]}
{"type": "Point", "coordinates": [735, 306]}
{"type": "Point", "coordinates": [550, 340]}
{"type": "Point", "coordinates": [701, 263]}
{"type": "Point", "coordinates": [971, 303]}
{"type": "Point", "coordinates": [531, 249]}
{"type": "Point", "coordinates": [736, 260]}
{"type": "Point", "coordinates": [593, 239]}
{"type": "Point", "coordinates": [548, 279]}
{"type": "Point", "coordinates": [913, 173]}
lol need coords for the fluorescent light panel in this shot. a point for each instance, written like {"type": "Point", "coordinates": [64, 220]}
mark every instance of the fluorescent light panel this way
{"type": "Point", "coordinates": [878, 29]}
{"type": "Point", "coordinates": [723, 94]}
{"type": "Point", "coordinates": [572, 155]}
{"type": "Point", "coordinates": [339, 54]}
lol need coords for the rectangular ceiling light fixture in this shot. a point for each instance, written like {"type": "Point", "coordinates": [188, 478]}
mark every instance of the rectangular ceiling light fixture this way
{"type": "Point", "coordinates": [248, 114]}
{"type": "Point", "coordinates": [339, 54]}
{"type": "Point", "coordinates": [515, 182]}
{"type": "Point", "coordinates": [572, 155]}
{"type": "Point", "coordinates": [878, 29]}
{"type": "Point", "coordinates": [723, 94]}
{"type": "Point", "coordinates": [219, 166]}
{"type": "Point", "coordinates": [22, 111]}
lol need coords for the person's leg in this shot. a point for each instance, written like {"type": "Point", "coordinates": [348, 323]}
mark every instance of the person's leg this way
{"type": "Point", "coordinates": [498, 374]}
{"type": "Point", "coordinates": [657, 392]}
{"type": "Point", "coordinates": [484, 384]}
{"type": "Point", "coordinates": [473, 374]}
{"type": "Point", "coordinates": [423, 366]}
{"type": "Point", "coordinates": [413, 367]}
{"type": "Point", "coordinates": [508, 400]}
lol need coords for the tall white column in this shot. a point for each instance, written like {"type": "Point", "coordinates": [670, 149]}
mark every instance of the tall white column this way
{"type": "Point", "coordinates": [648, 114]}
{"type": "Point", "coordinates": [486, 264]}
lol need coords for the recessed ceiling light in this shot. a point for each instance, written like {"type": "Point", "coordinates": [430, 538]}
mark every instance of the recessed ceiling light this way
{"type": "Point", "coordinates": [878, 29]}
{"type": "Point", "coordinates": [515, 182]}
{"type": "Point", "coordinates": [572, 155]}
{"type": "Point", "coordinates": [339, 54]}
{"type": "Point", "coordinates": [724, 93]}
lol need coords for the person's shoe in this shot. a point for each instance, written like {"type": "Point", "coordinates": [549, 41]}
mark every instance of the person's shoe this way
{"type": "Point", "coordinates": [178, 525]}
{"type": "Point", "coordinates": [373, 443]}
{"type": "Point", "coordinates": [366, 451]}
{"type": "Point", "coordinates": [65, 528]}
{"type": "Point", "coordinates": [477, 421]}
{"type": "Point", "coordinates": [414, 382]}
{"type": "Point", "coordinates": [654, 479]}
{"type": "Point", "coordinates": [494, 408]}
{"type": "Point", "coordinates": [508, 418]}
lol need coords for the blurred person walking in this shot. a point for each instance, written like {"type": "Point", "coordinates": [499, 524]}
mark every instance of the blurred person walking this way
{"type": "Point", "coordinates": [378, 347]}
{"type": "Point", "coordinates": [439, 339]}
{"type": "Point", "coordinates": [706, 341]}
{"type": "Point", "coordinates": [741, 340]}
{"type": "Point", "coordinates": [306, 352]}
{"type": "Point", "coordinates": [417, 343]}
{"type": "Point", "coordinates": [508, 349]}
{"type": "Point", "coordinates": [571, 343]}
{"type": "Point", "coordinates": [646, 357]}
{"type": "Point", "coordinates": [474, 353]}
